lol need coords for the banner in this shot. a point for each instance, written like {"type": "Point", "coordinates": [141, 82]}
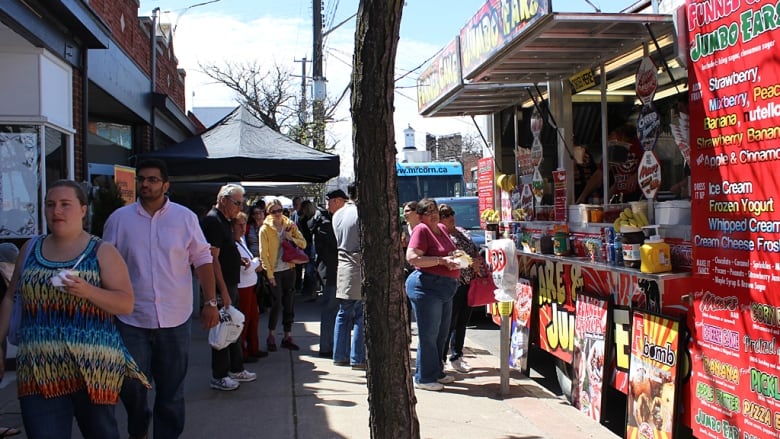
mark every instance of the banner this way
{"type": "Point", "coordinates": [521, 325]}
{"type": "Point", "coordinates": [653, 391]}
{"type": "Point", "coordinates": [124, 178]}
{"type": "Point", "coordinates": [486, 187]}
{"type": "Point", "coordinates": [734, 105]}
{"type": "Point", "coordinates": [591, 326]}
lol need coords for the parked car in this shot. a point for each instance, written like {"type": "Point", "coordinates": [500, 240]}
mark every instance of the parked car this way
{"type": "Point", "coordinates": [466, 216]}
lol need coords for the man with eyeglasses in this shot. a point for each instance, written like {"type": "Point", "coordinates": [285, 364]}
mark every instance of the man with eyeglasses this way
{"type": "Point", "coordinates": [227, 365]}
{"type": "Point", "coordinates": [160, 240]}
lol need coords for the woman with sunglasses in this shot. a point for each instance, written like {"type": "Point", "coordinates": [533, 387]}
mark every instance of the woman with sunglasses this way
{"type": "Point", "coordinates": [281, 274]}
{"type": "Point", "coordinates": [461, 312]}
{"type": "Point", "coordinates": [431, 288]}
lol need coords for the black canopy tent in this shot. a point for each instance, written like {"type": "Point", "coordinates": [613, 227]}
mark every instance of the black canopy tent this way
{"type": "Point", "coordinates": [242, 148]}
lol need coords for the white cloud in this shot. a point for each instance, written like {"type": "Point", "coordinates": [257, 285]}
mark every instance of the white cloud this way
{"type": "Point", "coordinates": [215, 38]}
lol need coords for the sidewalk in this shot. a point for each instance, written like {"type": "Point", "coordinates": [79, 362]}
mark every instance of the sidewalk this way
{"type": "Point", "coordinates": [298, 395]}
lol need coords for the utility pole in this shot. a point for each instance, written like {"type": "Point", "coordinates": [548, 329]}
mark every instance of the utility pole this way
{"type": "Point", "coordinates": [320, 92]}
{"type": "Point", "coordinates": [304, 105]}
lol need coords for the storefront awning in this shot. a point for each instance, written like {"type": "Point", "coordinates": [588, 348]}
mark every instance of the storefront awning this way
{"type": "Point", "coordinates": [554, 47]}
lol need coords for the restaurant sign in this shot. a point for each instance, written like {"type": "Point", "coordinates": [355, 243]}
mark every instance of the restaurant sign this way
{"type": "Point", "coordinates": [495, 25]}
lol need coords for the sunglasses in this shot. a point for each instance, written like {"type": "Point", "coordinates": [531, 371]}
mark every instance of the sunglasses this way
{"type": "Point", "coordinates": [275, 211]}
{"type": "Point", "coordinates": [151, 180]}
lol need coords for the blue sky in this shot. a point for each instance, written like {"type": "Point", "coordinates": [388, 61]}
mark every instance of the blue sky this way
{"type": "Point", "coordinates": [280, 32]}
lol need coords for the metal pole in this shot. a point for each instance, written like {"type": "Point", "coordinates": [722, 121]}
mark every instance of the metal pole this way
{"type": "Point", "coordinates": [504, 354]}
{"type": "Point", "coordinates": [153, 76]}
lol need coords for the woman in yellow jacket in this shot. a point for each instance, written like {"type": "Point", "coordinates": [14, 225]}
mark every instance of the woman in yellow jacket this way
{"type": "Point", "coordinates": [281, 274]}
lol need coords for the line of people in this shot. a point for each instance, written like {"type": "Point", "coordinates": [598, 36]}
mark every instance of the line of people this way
{"type": "Point", "coordinates": [126, 300]}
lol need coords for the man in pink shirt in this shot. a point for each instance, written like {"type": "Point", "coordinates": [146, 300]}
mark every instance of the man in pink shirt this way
{"type": "Point", "coordinates": [160, 240]}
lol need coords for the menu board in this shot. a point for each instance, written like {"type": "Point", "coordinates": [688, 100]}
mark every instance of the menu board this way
{"type": "Point", "coordinates": [591, 327]}
{"type": "Point", "coordinates": [653, 391]}
{"type": "Point", "coordinates": [486, 188]}
{"type": "Point", "coordinates": [734, 105]}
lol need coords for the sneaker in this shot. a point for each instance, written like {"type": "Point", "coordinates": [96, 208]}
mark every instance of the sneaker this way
{"type": "Point", "coordinates": [288, 343]}
{"type": "Point", "coordinates": [225, 383]}
{"type": "Point", "coordinates": [460, 365]}
{"type": "Point", "coordinates": [446, 379]}
{"type": "Point", "coordinates": [244, 376]}
{"type": "Point", "coordinates": [271, 343]}
{"type": "Point", "coordinates": [434, 387]}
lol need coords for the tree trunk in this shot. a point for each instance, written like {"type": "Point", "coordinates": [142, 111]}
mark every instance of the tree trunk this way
{"type": "Point", "coordinates": [390, 391]}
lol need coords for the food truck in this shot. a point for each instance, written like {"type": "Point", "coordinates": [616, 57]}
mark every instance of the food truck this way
{"type": "Point", "coordinates": [657, 306]}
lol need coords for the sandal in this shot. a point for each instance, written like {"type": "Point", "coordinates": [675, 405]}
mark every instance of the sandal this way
{"type": "Point", "coordinates": [9, 431]}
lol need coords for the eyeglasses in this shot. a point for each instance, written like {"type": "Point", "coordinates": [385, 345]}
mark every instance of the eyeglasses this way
{"type": "Point", "coordinates": [275, 211]}
{"type": "Point", "coordinates": [151, 180]}
{"type": "Point", "coordinates": [235, 202]}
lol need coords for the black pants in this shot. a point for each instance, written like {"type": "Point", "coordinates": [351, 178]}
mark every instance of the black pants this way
{"type": "Point", "coordinates": [230, 359]}
{"type": "Point", "coordinates": [284, 300]}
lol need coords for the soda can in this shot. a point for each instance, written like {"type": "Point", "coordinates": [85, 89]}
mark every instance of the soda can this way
{"type": "Point", "coordinates": [609, 233]}
{"type": "Point", "coordinates": [611, 255]}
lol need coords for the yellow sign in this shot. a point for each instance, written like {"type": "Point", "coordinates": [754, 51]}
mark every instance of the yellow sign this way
{"type": "Point", "coordinates": [582, 80]}
{"type": "Point", "coordinates": [124, 178]}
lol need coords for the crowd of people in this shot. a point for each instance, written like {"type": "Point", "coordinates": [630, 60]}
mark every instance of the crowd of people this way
{"type": "Point", "coordinates": [98, 319]}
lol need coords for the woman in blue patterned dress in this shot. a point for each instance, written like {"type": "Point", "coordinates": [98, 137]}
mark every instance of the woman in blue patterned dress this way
{"type": "Point", "coordinates": [71, 360]}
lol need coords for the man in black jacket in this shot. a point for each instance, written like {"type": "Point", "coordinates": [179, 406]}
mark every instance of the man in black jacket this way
{"type": "Point", "coordinates": [327, 256]}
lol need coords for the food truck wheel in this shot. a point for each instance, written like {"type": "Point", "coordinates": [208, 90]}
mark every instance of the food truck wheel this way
{"type": "Point", "coordinates": [564, 372]}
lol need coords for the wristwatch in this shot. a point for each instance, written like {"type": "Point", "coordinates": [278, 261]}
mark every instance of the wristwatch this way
{"type": "Point", "coordinates": [212, 303]}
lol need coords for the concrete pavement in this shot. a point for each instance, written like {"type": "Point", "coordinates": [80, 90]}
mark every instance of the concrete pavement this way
{"type": "Point", "coordinates": [299, 395]}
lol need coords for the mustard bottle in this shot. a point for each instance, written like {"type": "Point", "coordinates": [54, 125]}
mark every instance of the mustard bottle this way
{"type": "Point", "coordinates": [655, 255]}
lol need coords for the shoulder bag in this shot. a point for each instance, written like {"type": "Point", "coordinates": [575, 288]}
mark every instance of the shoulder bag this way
{"type": "Point", "coordinates": [16, 311]}
{"type": "Point", "coordinates": [291, 253]}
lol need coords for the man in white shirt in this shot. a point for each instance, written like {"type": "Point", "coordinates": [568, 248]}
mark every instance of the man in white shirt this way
{"type": "Point", "coordinates": [160, 240]}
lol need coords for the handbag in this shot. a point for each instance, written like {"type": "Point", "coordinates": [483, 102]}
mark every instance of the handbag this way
{"type": "Point", "coordinates": [231, 323]}
{"type": "Point", "coordinates": [481, 291]}
{"type": "Point", "coordinates": [16, 311]}
{"type": "Point", "coordinates": [291, 253]}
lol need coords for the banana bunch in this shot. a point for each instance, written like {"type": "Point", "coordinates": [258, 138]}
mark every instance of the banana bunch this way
{"type": "Point", "coordinates": [519, 214]}
{"type": "Point", "coordinates": [506, 182]}
{"type": "Point", "coordinates": [630, 218]}
{"type": "Point", "coordinates": [491, 216]}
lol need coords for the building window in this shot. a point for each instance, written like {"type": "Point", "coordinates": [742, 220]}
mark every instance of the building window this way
{"type": "Point", "coordinates": [56, 155]}
{"type": "Point", "coordinates": [121, 135]}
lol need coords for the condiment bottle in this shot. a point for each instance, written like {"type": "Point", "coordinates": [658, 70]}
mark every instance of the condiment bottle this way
{"type": "Point", "coordinates": [655, 255]}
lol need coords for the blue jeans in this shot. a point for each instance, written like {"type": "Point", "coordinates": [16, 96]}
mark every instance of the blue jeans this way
{"type": "Point", "coordinates": [330, 307]}
{"type": "Point", "coordinates": [53, 418]}
{"type": "Point", "coordinates": [431, 296]}
{"type": "Point", "coordinates": [162, 355]}
{"type": "Point", "coordinates": [349, 318]}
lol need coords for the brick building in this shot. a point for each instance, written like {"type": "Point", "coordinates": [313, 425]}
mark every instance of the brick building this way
{"type": "Point", "coordinates": [76, 97]}
{"type": "Point", "coordinates": [451, 148]}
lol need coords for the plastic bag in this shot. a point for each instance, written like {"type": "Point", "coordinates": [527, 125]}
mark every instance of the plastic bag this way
{"type": "Point", "coordinates": [231, 323]}
{"type": "Point", "coordinates": [502, 257]}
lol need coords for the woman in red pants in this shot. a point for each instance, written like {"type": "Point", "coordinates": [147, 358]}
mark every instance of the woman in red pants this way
{"type": "Point", "coordinates": [247, 299]}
